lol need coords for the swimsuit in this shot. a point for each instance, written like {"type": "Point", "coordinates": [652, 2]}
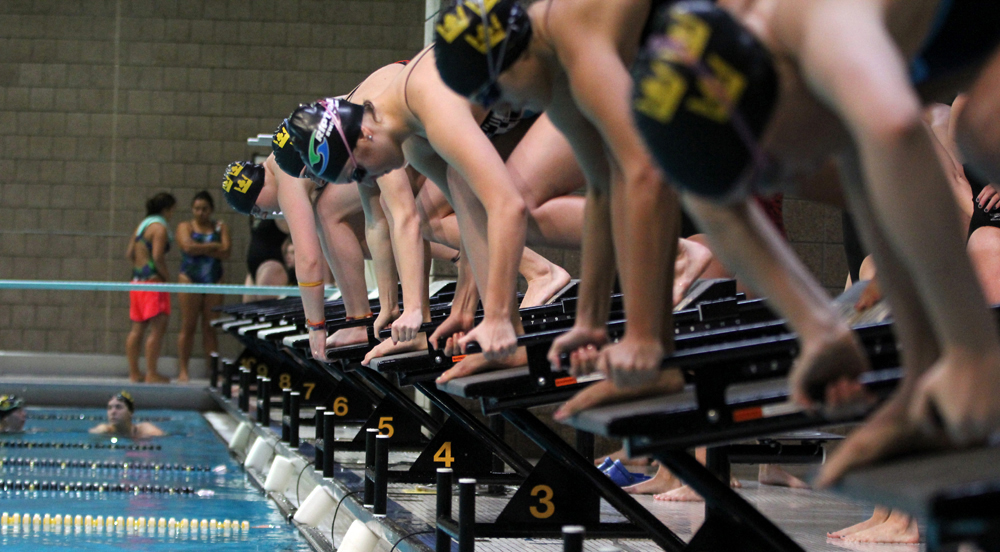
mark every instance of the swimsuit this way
{"type": "Point", "coordinates": [265, 244]}
{"type": "Point", "coordinates": [202, 269]}
{"type": "Point", "coordinates": [148, 270]}
{"type": "Point", "coordinates": [964, 33]}
{"type": "Point", "coordinates": [980, 217]}
{"type": "Point", "coordinates": [144, 305]}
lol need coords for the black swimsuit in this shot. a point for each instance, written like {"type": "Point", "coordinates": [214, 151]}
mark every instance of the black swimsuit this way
{"type": "Point", "coordinates": [980, 217]}
{"type": "Point", "coordinates": [266, 240]}
{"type": "Point", "coordinates": [964, 32]}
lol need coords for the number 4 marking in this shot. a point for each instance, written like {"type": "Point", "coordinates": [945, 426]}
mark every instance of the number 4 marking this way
{"type": "Point", "coordinates": [444, 454]}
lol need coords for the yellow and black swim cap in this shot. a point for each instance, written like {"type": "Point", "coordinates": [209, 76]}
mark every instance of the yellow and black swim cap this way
{"type": "Point", "coordinates": [126, 397]}
{"type": "Point", "coordinates": [471, 54]}
{"type": "Point", "coordinates": [705, 89]}
{"type": "Point", "coordinates": [242, 184]}
{"type": "Point", "coordinates": [8, 404]}
{"type": "Point", "coordinates": [285, 156]}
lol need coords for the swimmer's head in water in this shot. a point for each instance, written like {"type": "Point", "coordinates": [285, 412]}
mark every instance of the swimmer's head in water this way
{"type": "Point", "coordinates": [325, 133]}
{"type": "Point", "coordinates": [9, 404]}
{"type": "Point", "coordinates": [12, 415]}
{"type": "Point", "coordinates": [705, 89]}
{"type": "Point", "coordinates": [126, 397]}
{"type": "Point", "coordinates": [471, 54]}
{"type": "Point", "coordinates": [285, 156]}
{"type": "Point", "coordinates": [242, 184]}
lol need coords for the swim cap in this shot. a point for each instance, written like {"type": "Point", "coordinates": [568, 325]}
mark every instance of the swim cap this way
{"type": "Point", "coordinates": [126, 397]}
{"type": "Point", "coordinates": [705, 89]}
{"type": "Point", "coordinates": [242, 184]}
{"type": "Point", "coordinates": [8, 404]}
{"type": "Point", "coordinates": [284, 153]}
{"type": "Point", "coordinates": [325, 133]}
{"type": "Point", "coordinates": [468, 58]}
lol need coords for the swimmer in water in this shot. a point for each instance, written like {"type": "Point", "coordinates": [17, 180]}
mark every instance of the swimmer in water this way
{"type": "Point", "coordinates": [120, 410]}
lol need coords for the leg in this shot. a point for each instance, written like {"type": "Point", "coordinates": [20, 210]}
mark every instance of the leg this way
{"type": "Point", "coordinates": [133, 349]}
{"type": "Point", "coordinates": [270, 273]}
{"type": "Point", "coordinates": [209, 340]}
{"type": "Point", "coordinates": [545, 172]}
{"type": "Point", "coordinates": [775, 475]}
{"type": "Point", "coordinates": [984, 250]}
{"type": "Point", "coordinates": [154, 342]}
{"type": "Point", "coordinates": [888, 430]}
{"type": "Point", "coordinates": [693, 261]}
{"type": "Point", "coordinates": [544, 277]}
{"type": "Point", "coordinates": [191, 307]}
{"type": "Point", "coordinates": [978, 127]}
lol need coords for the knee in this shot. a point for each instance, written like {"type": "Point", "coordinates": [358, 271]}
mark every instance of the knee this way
{"type": "Point", "coordinates": [977, 130]}
{"type": "Point", "coordinates": [271, 273]}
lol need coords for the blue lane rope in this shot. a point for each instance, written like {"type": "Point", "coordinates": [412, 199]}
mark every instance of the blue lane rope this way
{"type": "Point", "coordinates": [221, 289]}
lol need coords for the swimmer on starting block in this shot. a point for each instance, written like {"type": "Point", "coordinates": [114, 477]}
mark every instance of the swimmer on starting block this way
{"type": "Point", "coordinates": [570, 60]}
{"type": "Point", "coordinates": [744, 96]}
{"type": "Point", "coordinates": [12, 414]}
{"type": "Point", "coordinates": [121, 407]}
{"type": "Point", "coordinates": [417, 120]}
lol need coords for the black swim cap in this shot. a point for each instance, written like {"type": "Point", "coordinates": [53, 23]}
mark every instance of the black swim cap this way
{"type": "Point", "coordinates": [325, 133]}
{"type": "Point", "coordinates": [242, 184]}
{"type": "Point", "coordinates": [467, 57]}
{"type": "Point", "coordinates": [284, 153]}
{"type": "Point", "coordinates": [705, 89]}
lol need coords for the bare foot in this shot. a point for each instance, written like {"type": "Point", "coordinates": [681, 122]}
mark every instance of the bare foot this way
{"type": "Point", "coordinates": [136, 377]}
{"type": "Point", "coordinates": [687, 494]}
{"type": "Point", "coordinates": [347, 336]}
{"type": "Point", "coordinates": [827, 369]}
{"type": "Point", "coordinates": [772, 474]}
{"type": "Point", "coordinates": [680, 494]}
{"type": "Point", "coordinates": [183, 377]}
{"type": "Point", "coordinates": [888, 432]}
{"type": "Point", "coordinates": [899, 528]}
{"type": "Point", "coordinates": [692, 259]}
{"type": "Point", "coordinates": [605, 392]}
{"type": "Point", "coordinates": [878, 518]}
{"type": "Point", "coordinates": [387, 348]}
{"type": "Point", "coordinates": [961, 390]}
{"type": "Point", "coordinates": [869, 296]}
{"type": "Point", "coordinates": [473, 364]}
{"type": "Point", "coordinates": [543, 287]}
{"type": "Point", "coordinates": [153, 377]}
{"type": "Point", "coordinates": [660, 483]}
{"type": "Point", "coordinates": [620, 455]}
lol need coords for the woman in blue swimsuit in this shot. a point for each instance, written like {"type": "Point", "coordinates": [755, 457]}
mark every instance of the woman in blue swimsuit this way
{"type": "Point", "coordinates": [204, 244]}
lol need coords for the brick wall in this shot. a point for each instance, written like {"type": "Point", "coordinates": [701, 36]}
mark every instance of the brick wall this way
{"type": "Point", "coordinates": [103, 103]}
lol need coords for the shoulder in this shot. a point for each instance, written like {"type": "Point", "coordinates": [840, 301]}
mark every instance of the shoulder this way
{"type": "Point", "coordinates": [100, 428]}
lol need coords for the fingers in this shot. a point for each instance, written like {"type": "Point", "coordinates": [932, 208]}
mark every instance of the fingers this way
{"type": "Point", "coordinates": [584, 360]}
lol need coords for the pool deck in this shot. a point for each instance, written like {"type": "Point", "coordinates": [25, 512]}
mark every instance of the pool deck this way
{"type": "Point", "coordinates": [805, 515]}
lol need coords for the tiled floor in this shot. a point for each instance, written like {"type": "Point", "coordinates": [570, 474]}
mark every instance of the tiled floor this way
{"type": "Point", "coordinates": [805, 515]}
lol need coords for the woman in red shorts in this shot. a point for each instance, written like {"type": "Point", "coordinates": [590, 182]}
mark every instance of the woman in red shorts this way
{"type": "Point", "coordinates": [149, 309]}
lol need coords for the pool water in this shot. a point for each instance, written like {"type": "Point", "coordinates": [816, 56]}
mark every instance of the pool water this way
{"type": "Point", "coordinates": [221, 492]}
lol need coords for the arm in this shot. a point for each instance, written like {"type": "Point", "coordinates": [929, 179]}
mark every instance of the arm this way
{"type": "Point", "coordinates": [130, 249]}
{"type": "Point", "coordinates": [645, 214]}
{"type": "Point", "coordinates": [380, 245]}
{"type": "Point", "coordinates": [295, 204]}
{"type": "Point", "coordinates": [409, 250]}
{"type": "Point", "coordinates": [225, 243]}
{"type": "Point", "coordinates": [192, 247]}
{"type": "Point", "coordinates": [160, 240]}
{"type": "Point", "coordinates": [456, 137]}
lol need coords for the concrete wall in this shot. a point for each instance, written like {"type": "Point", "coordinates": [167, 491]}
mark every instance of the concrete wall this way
{"type": "Point", "coordinates": [103, 103]}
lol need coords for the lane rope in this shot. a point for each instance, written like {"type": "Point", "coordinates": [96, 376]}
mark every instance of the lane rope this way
{"type": "Point", "coordinates": [220, 289]}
